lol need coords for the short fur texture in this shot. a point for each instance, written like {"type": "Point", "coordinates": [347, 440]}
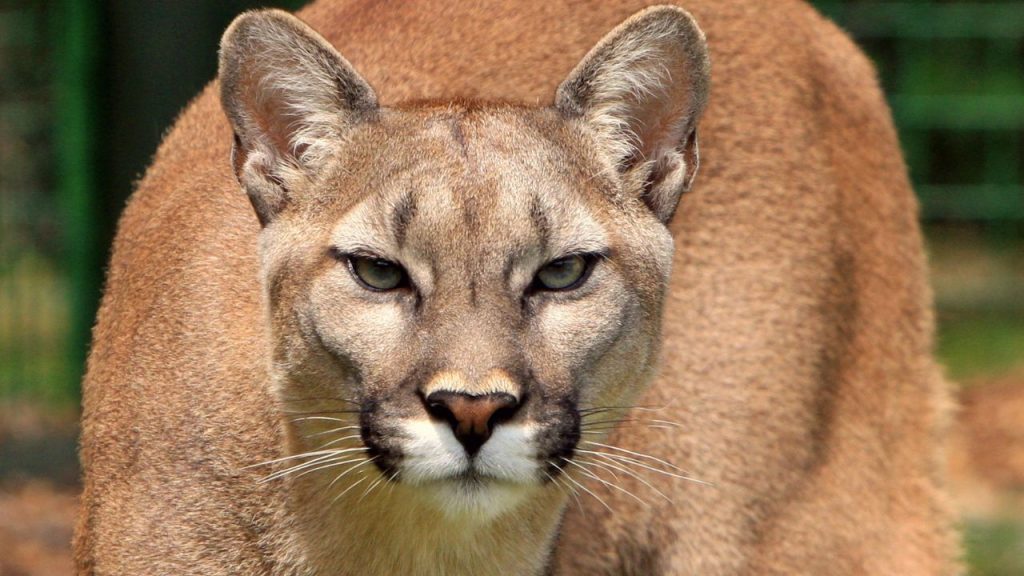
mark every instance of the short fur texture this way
{"type": "Point", "coordinates": [795, 334]}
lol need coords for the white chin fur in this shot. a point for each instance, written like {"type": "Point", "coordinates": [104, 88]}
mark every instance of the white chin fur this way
{"type": "Point", "coordinates": [480, 501]}
{"type": "Point", "coordinates": [506, 468]}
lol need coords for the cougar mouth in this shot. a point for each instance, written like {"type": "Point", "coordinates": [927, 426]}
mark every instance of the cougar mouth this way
{"type": "Point", "coordinates": [424, 450]}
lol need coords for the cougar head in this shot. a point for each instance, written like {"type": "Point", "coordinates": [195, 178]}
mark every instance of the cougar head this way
{"type": "Point", "coordinates": [455, 291]}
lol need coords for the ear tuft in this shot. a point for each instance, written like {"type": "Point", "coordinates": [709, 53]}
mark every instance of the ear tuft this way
{"type": "Point", "coordinates": [642, 90]}
{"type": "Point", "coordinates": [290, 97]}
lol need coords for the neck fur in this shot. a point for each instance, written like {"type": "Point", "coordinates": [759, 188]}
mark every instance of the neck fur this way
{"type": "Point", "coordinates": [401, 529]}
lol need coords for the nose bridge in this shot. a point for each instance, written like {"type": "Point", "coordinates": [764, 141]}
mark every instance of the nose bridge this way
{"type": "Point", "coordinates": [494, 381]}
{"type": "Point", "coordinates": [473, 339]}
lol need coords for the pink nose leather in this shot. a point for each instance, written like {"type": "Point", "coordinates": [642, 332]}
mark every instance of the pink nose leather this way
{"type": "Point", "coordinates": [471, 417]}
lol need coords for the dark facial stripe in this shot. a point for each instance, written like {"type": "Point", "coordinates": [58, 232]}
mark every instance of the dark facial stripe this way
{"type": "Point", "coordinates": [404, 212]}
{"type": "Point", "coordinates": [540, 222]}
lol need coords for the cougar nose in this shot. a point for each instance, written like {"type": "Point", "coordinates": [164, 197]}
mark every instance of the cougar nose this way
{"type": "Point", "coordinates": [472, 418]}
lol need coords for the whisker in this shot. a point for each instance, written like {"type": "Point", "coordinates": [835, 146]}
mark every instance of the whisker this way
{"type": "Point", "coordinates": [615, 422]}
{"type": "Point", "coordinates": [321, 418]}
{"type": "Point", "coordinates": [637, 454]}
{"type": "Point", "coordinates": [574, 493]}
{"type": "Point", "coordinates": [326, 465]}
{"type": "Point", "coordinates": [612, 467]}
{"type": "Point", "coordinates": [637, 407]}
{"type": "Point", "coordinates": [292, 457]}
{"type": "Point", "coordinates": [607, 483]}
{"type": "Point", "coordinates": [592, 461]}
{"type": "Point", "coordinates": [336, 454]}
{"type": "Point", "coordinates": [596, 411]}
{"type": "Point", "coordinates": [568, 477]}
{"type": "Point", "coordinates": [357, 483]}
{"type": "Point", "coordinates": [668, 423]}
{"type": "Point", "coordinates": [344, 472]}
{"type": "Point", "coordinates": [297, 467]}
{"type": "Point", "coordinates": [611, 421]}
{"type": "Point", "coordinates": [338, 440]}
{"type": "Point", "coordinates": [625, 459]}
{"type": "Point", "coordinates": [392, 482]}
{"type": "Point", "coordinates": [569, 491]}
{"type": "Point", "coordinates": [320, 399]}
{"type": "Point", "coordinates": [369, 488]}
{"type": "Point", "coordinates": [605, 430]}
{"type": "Point", "coordinates": [606, 427]}
{"type": "Point", "coordinates": [331, 431]}
{"type": "Point", "coordinates": [321, 412]}
{"type": "Point", "coordinates": [575, 496]}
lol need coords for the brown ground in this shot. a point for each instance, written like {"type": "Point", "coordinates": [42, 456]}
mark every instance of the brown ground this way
{"type": "Point", "coordinates": [987, 455]}
{"type": "Point", "coordinates": [38, 493]}
{"type": "Point", "coordinates": [36, 520]}
{"type": "Point", "coordinates": [38, 490]}
{"type": "Point", "coordinates": [993, 424]}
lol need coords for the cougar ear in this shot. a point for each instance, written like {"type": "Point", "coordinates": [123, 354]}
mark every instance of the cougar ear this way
{"type": "Point", "coordinates": [642, 90]}
{"type": "Point", "coordinates": [290, 96]}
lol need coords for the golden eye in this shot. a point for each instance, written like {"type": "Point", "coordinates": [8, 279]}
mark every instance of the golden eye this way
{"type": "Point", "coordinates": [377, 273]}
{"type": "Point", "coordinates": [562, 274]}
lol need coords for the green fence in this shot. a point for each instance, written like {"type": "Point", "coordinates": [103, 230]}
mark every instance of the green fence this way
{"type": "Point", "coordinates": [954, 73]}
{"type": "Point", "coordinates": [34, 293]}
{"type": "Point", "coordinates": [87, 88]}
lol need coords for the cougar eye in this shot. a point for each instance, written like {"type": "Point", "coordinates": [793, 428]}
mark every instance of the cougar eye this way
{"type": "Point", "coordinates": [563, 274]}
{"type": "Point", "coordinates": [376, 273]}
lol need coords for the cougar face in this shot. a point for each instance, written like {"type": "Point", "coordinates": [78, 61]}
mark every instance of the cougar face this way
{"type": "Point", "coordinates": [457, 292]}
{"type": "Point", "coordinates": [469, 285]}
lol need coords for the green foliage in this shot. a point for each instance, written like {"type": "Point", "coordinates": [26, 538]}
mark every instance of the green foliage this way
{"type": "Point", "coordinates": [995, 548]}
{"type": "Point", "coordinates": [981, 344]}
{"type": "Point", "coordinates": [954, 73]}
{"type": "Point", "coordinates": [34, 361]}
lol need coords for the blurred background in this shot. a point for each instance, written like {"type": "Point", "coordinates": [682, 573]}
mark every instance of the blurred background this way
{"type": "Point", "coordinates": [87, 88]}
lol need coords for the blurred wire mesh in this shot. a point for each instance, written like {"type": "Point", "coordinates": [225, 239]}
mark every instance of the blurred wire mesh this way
{"type": "Point", "coordinates": [87, 88]}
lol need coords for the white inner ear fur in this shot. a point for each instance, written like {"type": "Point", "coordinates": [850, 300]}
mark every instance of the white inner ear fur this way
{"type": "Point", "coordinates": [290, 97]}
{"type": "Point", "coordinates": [286, 88]}
{"type": "Point", "coordinates": [633, 77]}
{"type": "Point", "coordinates": [294, 103]}
{"type": "Point", "coordinates": [646, 82]}
{"type": "Point", "coordinates": [641, 91]}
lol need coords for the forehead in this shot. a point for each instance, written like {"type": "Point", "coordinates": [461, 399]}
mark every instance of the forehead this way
{"type": "Point", "coordinates": [455, 179]}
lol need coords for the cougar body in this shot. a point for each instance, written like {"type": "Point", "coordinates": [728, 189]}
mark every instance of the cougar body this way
{"type": "Point", "coordinates": [377, 268]}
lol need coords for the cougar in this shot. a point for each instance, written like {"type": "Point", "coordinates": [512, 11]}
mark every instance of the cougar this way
{"type": "Point", "coordinates": [459, 302]}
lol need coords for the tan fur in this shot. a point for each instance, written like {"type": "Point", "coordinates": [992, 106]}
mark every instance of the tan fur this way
{"type": "Point", "coordinates": [795, 334]}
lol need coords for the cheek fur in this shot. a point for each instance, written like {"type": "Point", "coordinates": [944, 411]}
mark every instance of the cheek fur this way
{"type": "Point", "coordinates": [573, 334]}
{"type": "Point", "coordinates": [372, 333]}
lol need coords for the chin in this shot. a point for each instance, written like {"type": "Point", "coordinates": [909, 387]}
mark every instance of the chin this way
{"type": "Point", "coordinates": [478, 498]}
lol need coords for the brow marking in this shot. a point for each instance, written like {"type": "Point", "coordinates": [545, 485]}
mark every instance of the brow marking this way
{"type": "Point", "coordinates": [403, 213]}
